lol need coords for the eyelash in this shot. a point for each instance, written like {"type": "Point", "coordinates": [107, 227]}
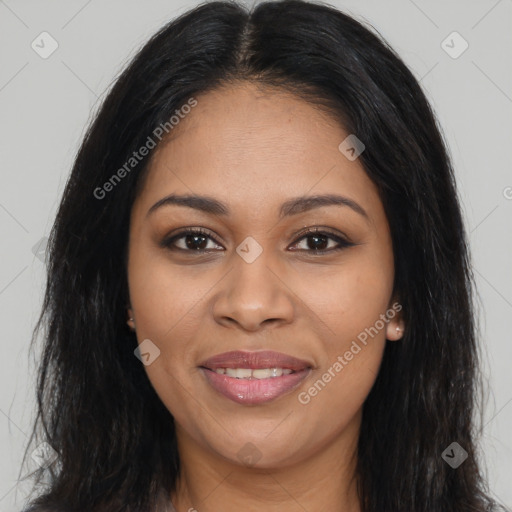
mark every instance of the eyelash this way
{"type": "Point", "coordinates": [342, 242]}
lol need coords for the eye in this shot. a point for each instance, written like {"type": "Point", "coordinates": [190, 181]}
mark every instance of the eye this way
{"type": "Point", "coordinates": [318, 241]}
{"type": "Point", "coordinates": [191, 240]}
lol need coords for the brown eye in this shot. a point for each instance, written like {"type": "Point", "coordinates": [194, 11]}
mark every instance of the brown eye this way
{"type": "Point", "coordinates": [314, 241]}
{"type": "Point", "coordinates": [317, 241]}
{"type": "Point", "coordinates": [190, 240]}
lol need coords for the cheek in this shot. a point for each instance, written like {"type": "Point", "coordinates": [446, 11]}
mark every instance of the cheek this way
{"type": "Point", "coordinates": [167, 312]}
{"type": "Point", "coordinates": [349, 302]}
{"type": "Point", "coordinates": [352, 351]}
{"type": "Point", "coordinates": [337, 393]}
{"type": "Point", "coordinates": [165, 299]}
{"type": "Point", "coordinates": [349, 297]}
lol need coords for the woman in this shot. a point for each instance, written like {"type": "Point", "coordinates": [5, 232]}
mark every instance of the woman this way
{"type": "Point", "coordinates": [259, 293]}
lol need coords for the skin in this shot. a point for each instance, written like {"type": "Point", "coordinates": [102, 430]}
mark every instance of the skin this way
{"type": "Point", "coordinates": [253, 149]}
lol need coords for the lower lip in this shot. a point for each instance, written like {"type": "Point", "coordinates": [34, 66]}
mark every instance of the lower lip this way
{"type": "Point", "coordinates": [254, 391]}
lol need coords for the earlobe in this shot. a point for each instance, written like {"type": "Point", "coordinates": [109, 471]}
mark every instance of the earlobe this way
{"type": "Point", "coordinates": [396, 326]}
{"type": "Point", "coordinates": [130, 321]}
{"type": "Point", "coordinates": [395, 330]}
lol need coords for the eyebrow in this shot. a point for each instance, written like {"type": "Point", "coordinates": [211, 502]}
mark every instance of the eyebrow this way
{"type": "Point", "coordinates": [290, 207]}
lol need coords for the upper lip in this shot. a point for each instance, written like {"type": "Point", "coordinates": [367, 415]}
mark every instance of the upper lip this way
{"type": "Point", "coordinates": [254, 360]}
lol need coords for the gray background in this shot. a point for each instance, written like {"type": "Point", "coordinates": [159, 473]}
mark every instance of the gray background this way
{"type": "Point", "coordinates": [46, 103]}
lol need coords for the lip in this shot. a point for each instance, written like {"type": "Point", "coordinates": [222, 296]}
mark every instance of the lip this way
{"type": "Point", "coordinates": [254, 391]}
{"type": "Point", "coordinates": [254, 360]}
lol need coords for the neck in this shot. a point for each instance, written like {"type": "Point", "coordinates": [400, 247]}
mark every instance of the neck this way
{"type": "Point", "coordinates": [325, 480]}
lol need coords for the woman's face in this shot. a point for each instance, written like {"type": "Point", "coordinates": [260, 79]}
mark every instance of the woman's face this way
{"type": "Point", "coordinates": [262, 290]}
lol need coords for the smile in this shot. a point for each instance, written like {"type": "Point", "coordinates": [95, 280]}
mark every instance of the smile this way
{"type": "Point", "coordinates": [248, 373]}
{"type": "Point", "coordinates": [252, 390]}
{"type": "Point", "coordinates": [252, 378]}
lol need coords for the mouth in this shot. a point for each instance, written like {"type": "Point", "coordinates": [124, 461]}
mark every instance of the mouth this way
{"type": "Point", "coordinates": [256, 373]}
{"type": "Point", "coordinates": [252, 378]}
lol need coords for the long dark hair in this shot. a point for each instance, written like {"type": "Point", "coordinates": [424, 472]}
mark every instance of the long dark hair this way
{"type": "Point", "coordinates": [114, 439]}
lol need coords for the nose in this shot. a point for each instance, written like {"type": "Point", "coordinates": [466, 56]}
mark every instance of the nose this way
{"type": "Point", "coordinates": [253, 295]}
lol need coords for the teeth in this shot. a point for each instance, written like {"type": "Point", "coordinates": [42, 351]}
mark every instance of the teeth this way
{"type": "Point", "coordinates": [266, 373]}
{"type": "Point", "coordinates": [239, 373]}
{"type": "Point", "coordinates": [247, 373]}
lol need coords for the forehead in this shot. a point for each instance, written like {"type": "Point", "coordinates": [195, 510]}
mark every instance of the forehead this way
{"type": "Point", "coordinates": [255, 146]}
{"type": "Point", "coordinates": [244, 121]}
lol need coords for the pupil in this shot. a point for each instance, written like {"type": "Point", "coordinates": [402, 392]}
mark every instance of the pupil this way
{"type": "Point", "coordinates": [322, 242]}
{"type": "Point", "coordinates": [194, 241]}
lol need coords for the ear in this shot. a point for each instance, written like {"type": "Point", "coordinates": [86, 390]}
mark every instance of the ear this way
{"type": "Point", "coordinates": [130, 321]}
{"type": "Point", "coordinates": [395, 327]}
